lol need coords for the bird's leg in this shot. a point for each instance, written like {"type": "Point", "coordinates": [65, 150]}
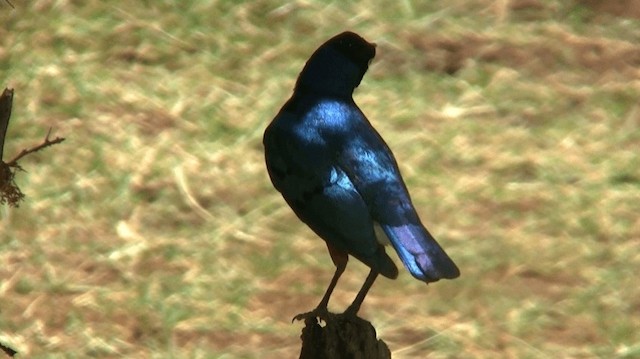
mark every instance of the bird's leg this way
{"type": "Point", "coordinates": [355, 306]}
{"type": "Point", "coordinates": [340, 260]}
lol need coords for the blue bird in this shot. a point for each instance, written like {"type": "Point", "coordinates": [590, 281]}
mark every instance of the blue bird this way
{"type": "Point", "coordinates": [340, 178]}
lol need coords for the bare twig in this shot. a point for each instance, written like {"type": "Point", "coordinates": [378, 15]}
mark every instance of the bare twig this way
{"type": "Point", "coordinates": [10, 4]}
{"type": "Point", "coordinates": [47, 142]}
{"type": "Point", "coordinates": [9, 192]}
{"type": "Point", "coordinates": [9, 351]}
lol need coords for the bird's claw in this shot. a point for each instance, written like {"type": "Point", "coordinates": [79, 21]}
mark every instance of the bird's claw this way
{"type": "Point", "coordinates": [319, 313]}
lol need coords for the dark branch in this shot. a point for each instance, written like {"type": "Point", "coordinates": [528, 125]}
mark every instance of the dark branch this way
{"type": "Point", "coordinates": [47, 142]}
{"type": "Point", "coordinates": [6, 103]}
{"type": "Point", "coordinates": [9, 192]}
{"type": "Point", "coordinates": [9, 351]}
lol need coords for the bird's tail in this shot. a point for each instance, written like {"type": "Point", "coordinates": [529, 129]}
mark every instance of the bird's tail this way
{"type": "Point", "coordinates": [420, 252]}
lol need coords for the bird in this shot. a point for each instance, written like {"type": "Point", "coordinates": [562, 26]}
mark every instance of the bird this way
{"type": "Point", "coordinates": [341, 179]}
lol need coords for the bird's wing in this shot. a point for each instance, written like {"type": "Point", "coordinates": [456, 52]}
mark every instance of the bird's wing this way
{"type": "Point", "coordinates": [323, 197]}
{"type": "Point", "coordinates": [373, 171]}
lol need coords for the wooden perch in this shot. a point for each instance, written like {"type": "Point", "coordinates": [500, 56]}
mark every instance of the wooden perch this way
{"type": "Point", "coordinates": [343, 337]}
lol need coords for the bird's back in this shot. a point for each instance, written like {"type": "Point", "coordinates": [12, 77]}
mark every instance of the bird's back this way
{"type": "Point", "coordinates": [302, 146]}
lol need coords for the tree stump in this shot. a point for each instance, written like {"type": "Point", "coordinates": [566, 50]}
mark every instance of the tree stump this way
{"type": "Point", "coordinates": [342, 337]}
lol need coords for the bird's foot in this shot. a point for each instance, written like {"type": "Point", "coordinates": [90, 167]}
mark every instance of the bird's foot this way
{"type": "Point", "coordinates": [321, 313]}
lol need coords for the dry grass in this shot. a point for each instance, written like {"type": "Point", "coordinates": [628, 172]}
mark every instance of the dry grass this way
{"type": "Point", "coordinates": [153, 230]}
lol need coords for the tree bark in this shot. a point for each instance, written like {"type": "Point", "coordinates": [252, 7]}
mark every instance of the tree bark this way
{"type": "Point", "coordinates": [342, 337]}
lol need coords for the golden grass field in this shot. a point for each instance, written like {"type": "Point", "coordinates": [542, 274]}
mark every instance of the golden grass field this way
{"type": "Point", "coordinates": [153, 230]}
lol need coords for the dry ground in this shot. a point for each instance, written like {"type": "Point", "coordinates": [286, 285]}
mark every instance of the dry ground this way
{"type": "Point", "coordinates": [153, 231]}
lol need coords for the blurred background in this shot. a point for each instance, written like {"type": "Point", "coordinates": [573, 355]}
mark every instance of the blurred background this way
{"type": "Point", "coordinates": [153, 230]}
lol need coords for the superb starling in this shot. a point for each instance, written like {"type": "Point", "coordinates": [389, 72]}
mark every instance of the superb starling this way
{"type": "Point", "coordinates": [340, 177]}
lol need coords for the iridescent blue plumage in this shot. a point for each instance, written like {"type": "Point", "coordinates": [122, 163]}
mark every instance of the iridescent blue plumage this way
{"type": "Point", "coordinates": [339, 176]}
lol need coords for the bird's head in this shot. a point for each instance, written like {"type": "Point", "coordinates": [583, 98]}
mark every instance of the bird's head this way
{"type": "Point", "coordinates": [337, 66]}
